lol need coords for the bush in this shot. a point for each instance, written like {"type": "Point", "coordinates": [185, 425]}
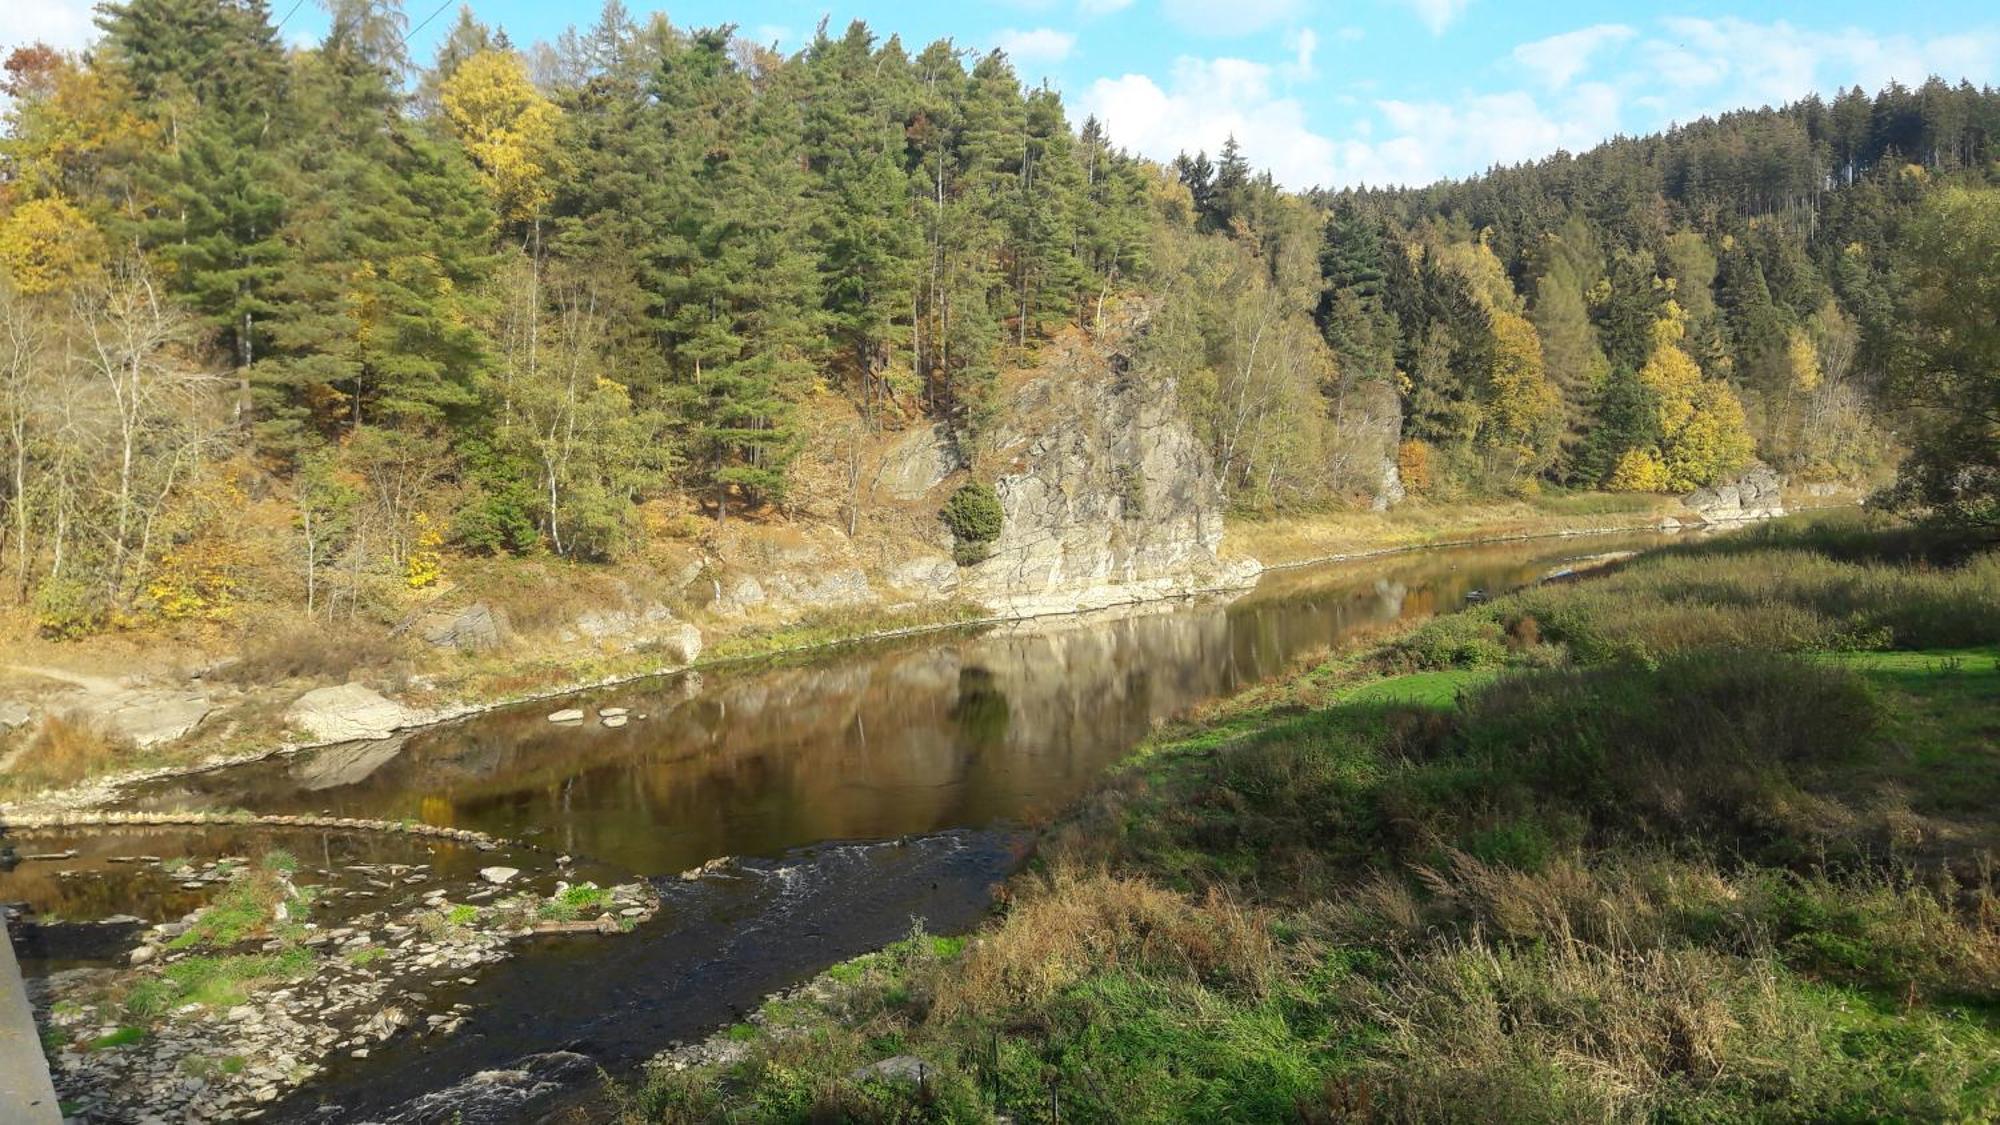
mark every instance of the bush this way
{"type": "Point", "coordinates": [65, 749]}
{"type": "Point", "coordinates": [975, 517]}
{"type": "Point", "coordinates": [68, 608]}
{"type": "Point", "coordinates": [310, 652]}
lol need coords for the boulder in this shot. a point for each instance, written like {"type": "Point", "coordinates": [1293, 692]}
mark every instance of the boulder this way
{"type": "Point", "coordinates": [928, 576]}
{"type": "Point", "coordinates": [151, 719]}
{"type": "Point", "coordinates": [348, 713]}
{"type": "Point", "coordinates": [1756, 495]}
{"type": "Point", "coordinates": [476, 628]}
{"type": "Point", "coordinates": [567, 715]}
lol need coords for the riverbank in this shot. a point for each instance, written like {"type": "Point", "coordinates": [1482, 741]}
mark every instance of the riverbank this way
{"type": "Point", "coordinates": [1709, 835]}
{"type": "Point", "coordinates": [76, 764]}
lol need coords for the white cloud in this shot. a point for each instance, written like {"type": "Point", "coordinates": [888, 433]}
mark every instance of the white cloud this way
{"type": "Point", "coordinates": [59, 23]}
{"type": "Point", "coordinates": [1439, 14]}
{"type": "Point", "coordinates": [1041, 45]}
{"type": "Point", "coordinates": [1711, 65]}
{"type": "Point", "coordinates": [1475, 132]}
{"type": "Point", "coordinates": [1230, 17]}
{"type": "Point", "coordinates": [1558, 59]}
{"type": "Point", "coordinates": [1207, 101]}
{"type": "Point", "coordinates": [1102, 7]}
{"type": "Point", "coordinates": [1303, 43]}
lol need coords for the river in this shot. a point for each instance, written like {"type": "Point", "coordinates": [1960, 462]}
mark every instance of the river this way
{"type": "Point", "coordinates": [858, 789]}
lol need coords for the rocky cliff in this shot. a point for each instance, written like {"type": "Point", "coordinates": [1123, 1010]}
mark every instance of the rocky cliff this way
{"type": "Point", "coordinates": [1109, 497]}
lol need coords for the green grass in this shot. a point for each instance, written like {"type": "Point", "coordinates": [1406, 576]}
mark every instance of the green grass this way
{"type": "Point", "coordinates": [574, 903]}
{"type": "Point", "coordinates": [123, 1037]}
{"type": "Point", "coordinates": [246, 908]}
{"type": "Point", "coordinates": [1419, 689]}
{"type": "Point", "coordinates": [1705, 838]}
{"type": "Point", "coordinates": [221, 981]}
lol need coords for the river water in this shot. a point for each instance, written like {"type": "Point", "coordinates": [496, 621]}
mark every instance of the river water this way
{"type": "Point", "coordinates": [858, 789]}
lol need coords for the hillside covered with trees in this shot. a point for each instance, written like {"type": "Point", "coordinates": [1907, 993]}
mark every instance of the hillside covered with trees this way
{"type": "Point", "coordinates": [551, 300]}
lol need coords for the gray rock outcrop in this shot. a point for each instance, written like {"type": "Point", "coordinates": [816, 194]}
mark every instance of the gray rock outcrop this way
{"type": "Point", "coordinates": [348, 713]}
{"type": "Point", "coordinates": [1108, 497]}
{"type": "Point", "coordinates": [653, 627]}
{"type": "Point", "coordinates": [476, 628]}
{"type": "Point", "coordinates": [918, 462]}
{"type": "Point", "coordinates": [1756, 495]}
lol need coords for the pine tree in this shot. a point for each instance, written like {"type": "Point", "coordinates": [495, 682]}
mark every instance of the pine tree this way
{"type": "Point", "coordinates": [854, 146]}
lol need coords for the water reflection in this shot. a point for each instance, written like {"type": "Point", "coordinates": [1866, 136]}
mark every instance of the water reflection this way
{"type": "Point", "coordinates": [875, 742]}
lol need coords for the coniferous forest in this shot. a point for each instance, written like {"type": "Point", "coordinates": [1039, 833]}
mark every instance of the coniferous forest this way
{"type": "Point", "coordinates": [499, 301]}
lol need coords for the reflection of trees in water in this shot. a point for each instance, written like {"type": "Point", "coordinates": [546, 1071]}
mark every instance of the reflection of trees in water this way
{"type": "Point", "coordinates": [875, 741]}
{"type": "Point", "coordinates": [981, 712]}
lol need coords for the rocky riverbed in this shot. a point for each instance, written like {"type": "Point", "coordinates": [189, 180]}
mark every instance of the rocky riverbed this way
{"type": "Point", "coordinates": [216, 1014]}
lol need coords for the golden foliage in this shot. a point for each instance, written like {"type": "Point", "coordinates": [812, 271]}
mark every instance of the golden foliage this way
{"type": "Point", "coordinates": [1524, 406]}
{"type": "Point", "coordinates": [198, 575]}
{"type": "Point", "coordinates": [1638, 470]}
{"type": "Point", "coordinates": [425, 564]}
{"type": "Point", "coordinates": [1702, 431]}
{"type": "Point", "coordinates": [48, 246]}
{"type": "Point", "coordinates": [507, 127]}
{"type": "Point", "coordinates": [1801, 361]}
{"type": "Point", "coordinates": [1413, 465]}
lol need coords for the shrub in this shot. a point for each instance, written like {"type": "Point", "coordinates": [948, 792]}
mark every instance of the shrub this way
{"type": "Point", "coordinates": [974, 515]}
{"type": "Point", "coordinates": [1413, 466]}
{"type": "Point", "coordinates": [309, 652]}
{"type": "Point", "coordinates": [69, 608]}
{"type": "Point", "coordinates": [1472, 639]}
{"type": "Point", "coordinates": [65, 749]}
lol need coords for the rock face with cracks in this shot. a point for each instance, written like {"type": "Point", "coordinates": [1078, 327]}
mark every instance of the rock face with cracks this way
{"type": "Point", "coordinates": [1109, 497]}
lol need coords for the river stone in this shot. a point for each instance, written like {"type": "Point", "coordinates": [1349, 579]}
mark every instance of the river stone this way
{"type": "Point", "coordinates": [348, 713]}
{"type": "Point", "coordinates": [615, 721]}
{"type": "Point", "coordinates": [567, 715]}
{"type": "Point", "coordinates": [498, 875]}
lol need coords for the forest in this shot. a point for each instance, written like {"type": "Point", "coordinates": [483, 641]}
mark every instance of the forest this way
{"type": "Point", "coordinates": [558, 299]}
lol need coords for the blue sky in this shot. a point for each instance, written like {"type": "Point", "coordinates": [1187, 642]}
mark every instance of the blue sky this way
{"type": "Point", "coordinates": [1337, 91]}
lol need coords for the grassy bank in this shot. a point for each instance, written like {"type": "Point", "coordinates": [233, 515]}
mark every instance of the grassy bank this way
{"type": "Point", "coordinates": [1705, 838]}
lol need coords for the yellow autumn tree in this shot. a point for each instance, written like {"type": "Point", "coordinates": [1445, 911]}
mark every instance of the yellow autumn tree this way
{"type": "Point", "coordinates": [1523, 407]}
{"type": "Point", "coordinates": [1801, 361]}
{"type": "Point", "coordinates": [508, 129]}
{"type": "Point", "coordinates": [1699, 423]}
{"type": "Point", "coordinates": [48, 245]}
{"type": "Point", "coordinates": [1638, 470]}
